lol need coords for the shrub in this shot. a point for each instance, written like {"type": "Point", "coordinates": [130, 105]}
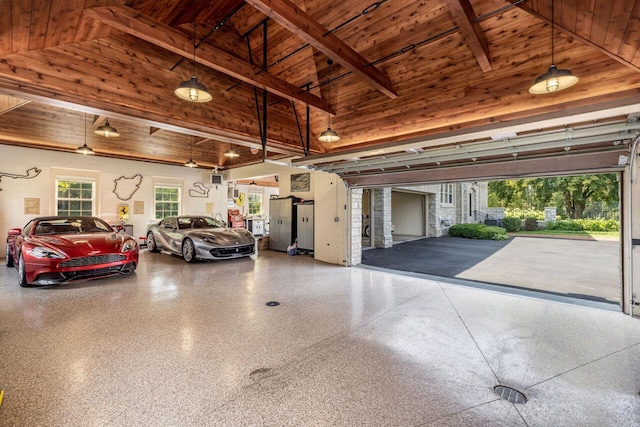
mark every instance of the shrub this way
{"type": "Point", "coordinates": [511, 224]}
{"type": "Point", "coordinates": [531, 224]}
{"type": "Point", "coordinates": [524, 213]}
{"type": "Point", "coordinates": [585, 225]}
{"type": "Point", "coordinates": [478, 231]}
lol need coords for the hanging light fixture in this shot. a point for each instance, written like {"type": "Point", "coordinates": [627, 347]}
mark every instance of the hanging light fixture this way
{"type": "Point", "coordinates": [329, 135]}
{"type": "Point", "coordinates": [85, 149]}
{"type": "Point", "coordinates": [190, 163]}
{"type": "Point", "coordinates": [107, 130]}
{"type": "Point", "coordinates": [253, 183]}
{"type": "Point", "coordinates": [231, 153]}
{"type": "Point", "coordinates": [192, 90]}
{"type": "Point", "coordinates": [554, 79]}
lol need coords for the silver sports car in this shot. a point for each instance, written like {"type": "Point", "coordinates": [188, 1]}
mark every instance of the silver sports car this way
{"type": "Point", "coordinates": [199, 237]}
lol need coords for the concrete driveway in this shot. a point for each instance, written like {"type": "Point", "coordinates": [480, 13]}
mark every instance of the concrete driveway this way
{"type": "Point", "coordinates": [588, 269]}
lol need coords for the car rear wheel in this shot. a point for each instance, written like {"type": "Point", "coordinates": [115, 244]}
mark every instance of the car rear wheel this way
{"type": "Point", "coordinates": [22, 272]}
{"type": "Point", "coordinates": [9, 259]}
{"type": "Point", "coordinates": [188, 251]}
{"type": "Point", "coordinates": [151, 243]}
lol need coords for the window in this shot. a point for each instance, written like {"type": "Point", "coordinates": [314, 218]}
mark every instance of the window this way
{"type": "Point", "coordinates": [255, 204]}
{"type": "Point", "coordinates": [74, 198]}
{"type": "Point", "coordinates": [167, 201]}
{"type": "Point", "coordinates": [446, 194]}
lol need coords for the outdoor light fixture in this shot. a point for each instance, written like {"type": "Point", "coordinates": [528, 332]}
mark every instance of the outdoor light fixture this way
{"type": "Point", "coordinates": [190, 163]}
{"type": "Point", "coordinates": [192, 90]}
{"type": "Point", "coordinates": [107, 130]}
{"type": "Point", "coordinates": [85, 149]}
{"type": "Point", "coordinates": [554, 79]}
{"type": "Point", "coordinates": [253, 183]}
{"type": "Point", "coordinates": [231, 153]}
{"type": "Point", "coordinates": [329, 135]}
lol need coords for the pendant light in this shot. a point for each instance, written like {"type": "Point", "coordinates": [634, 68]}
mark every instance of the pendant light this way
{"type": "Point", "coordinates": [190, 163]}
{"type": "Point", "coordinates": [107, 130]}
{"type": "Point", "coordinates": [192, 90]}
{"type": "Point", "coordinates": [329, 135]}
{"type": "Point", "coordinates": [554, 79]}
{"type": "Point", "coordinates": [85, 149]}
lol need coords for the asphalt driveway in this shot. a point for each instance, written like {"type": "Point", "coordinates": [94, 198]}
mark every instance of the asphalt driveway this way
{"type": "Point", "coordinates": [586, 269]}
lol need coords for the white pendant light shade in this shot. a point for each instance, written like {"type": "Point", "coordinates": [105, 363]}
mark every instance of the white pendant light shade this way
{"type": "Point", "coordinates": [553, 80]}
{"type": "Point", "coordinates": [194, 91]}
{"type": "Point", "coordinates": [85, 149]}
{"type": "Point", "coordinates": [329, 135]}
{"type": "Point", "coordinates": [107, 131]}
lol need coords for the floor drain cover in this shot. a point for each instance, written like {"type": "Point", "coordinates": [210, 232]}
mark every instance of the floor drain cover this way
{"type": "Point", "coordinates": [510, 394]}
{"type": "Point", "coordinates": [272, 303]}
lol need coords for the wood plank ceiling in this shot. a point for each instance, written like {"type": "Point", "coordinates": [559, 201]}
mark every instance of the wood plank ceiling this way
{"type": "Point", "coordinates": [407, 75]}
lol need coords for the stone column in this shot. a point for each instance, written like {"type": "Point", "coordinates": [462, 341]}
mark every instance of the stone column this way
{"type": "Point", "coordinates": [382, 237]}
{"type": "Point", "coordinates": [356, 227]}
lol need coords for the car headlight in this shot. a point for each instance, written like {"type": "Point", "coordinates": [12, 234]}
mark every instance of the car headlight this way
{"type": "Point", "coordinates": [129, 245]}
{"type": "Point", "coordinates": [44, 252]}
{"type": "Point", "coordinates": [210, 239]}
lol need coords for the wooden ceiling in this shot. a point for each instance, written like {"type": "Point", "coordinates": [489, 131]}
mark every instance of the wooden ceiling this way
{"type": "Point", "coordinates": [406, 75]}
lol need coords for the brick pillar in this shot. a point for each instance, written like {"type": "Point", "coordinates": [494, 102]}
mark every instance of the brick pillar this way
{"type": "Point", "coordinates": [382, 237]}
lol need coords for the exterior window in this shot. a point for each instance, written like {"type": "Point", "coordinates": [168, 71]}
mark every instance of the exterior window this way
{"type": "Point", "coordinates": [167, 201]}
{"type": "Point", "coordinates": [446, 194]}
{"type": "Point", "coordinates": [255, 204]}
{"type": "Point", "coordinates": [74, 198]}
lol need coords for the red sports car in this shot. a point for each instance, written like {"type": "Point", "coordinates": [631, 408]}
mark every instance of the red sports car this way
{"type": "Point", "coordinates": [53, 250]}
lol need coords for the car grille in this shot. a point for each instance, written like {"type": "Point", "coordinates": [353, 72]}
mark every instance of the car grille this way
{"type": "Point", "coordinates": [93, 260]}
{"type": "Point", "coordinates": [232, 251]}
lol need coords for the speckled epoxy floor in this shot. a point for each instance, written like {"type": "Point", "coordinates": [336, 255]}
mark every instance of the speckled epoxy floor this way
{"type": "Point", "coordinates": [195, 345]}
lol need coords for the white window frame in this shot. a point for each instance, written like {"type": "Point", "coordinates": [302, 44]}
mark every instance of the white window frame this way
{"type": "Point", "coordinates": [254, 194]}
{"type": "Point", "coordinates": [447, 194]}
{"type": "Point", "coordinates": [73, 175]}
{"type": "Point", "coordinates": [167, 183]}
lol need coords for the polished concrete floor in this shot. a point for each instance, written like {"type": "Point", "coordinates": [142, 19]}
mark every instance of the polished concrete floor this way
{"type": "Point", "coordinates": [195, 345]}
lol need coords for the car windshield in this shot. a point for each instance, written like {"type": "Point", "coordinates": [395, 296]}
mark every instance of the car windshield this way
{"type": "Point", "coordinates": [206, 222]}
{"type": "Point", "coordinates": [71, 225]}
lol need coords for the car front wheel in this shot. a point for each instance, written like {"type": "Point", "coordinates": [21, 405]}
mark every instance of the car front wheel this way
{"type": "Point", "coordinates": [151, 243]}
{"type": "Point", "coordinates": [22, 272]}
{"type": "Point", "coordinates": [188, 251]}
{"type": "Point", "coordinates": [9, 260]}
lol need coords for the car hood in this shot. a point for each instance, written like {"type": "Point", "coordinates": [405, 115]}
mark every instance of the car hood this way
{"type": "Point", "coordinates": [226, 236]}
{"type": "Point", "coordinates": [82, 244]}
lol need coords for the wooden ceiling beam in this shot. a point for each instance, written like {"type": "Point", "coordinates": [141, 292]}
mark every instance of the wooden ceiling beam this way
{"type": "Point", "coordinates": [302, 25]}
{"type": "Point", "coordinates": [465, 18]}
{"type": "Point", "coordinates": [199, 141]}
{"type": "Point", "coordinates": [8, 103]}
{"type": "Point", "coordinates": [99, 120]}
{"type": "Point", "coordinates": [143, 27]}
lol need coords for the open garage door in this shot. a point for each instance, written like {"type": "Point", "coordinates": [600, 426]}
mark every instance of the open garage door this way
{"type": "Point", "coordinates": [408, 215]}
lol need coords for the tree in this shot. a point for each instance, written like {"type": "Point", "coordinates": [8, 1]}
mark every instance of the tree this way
{"type": "Point", "coordinates": [569, 194]}
{"type": "Point", "coordinates": [577, 191]}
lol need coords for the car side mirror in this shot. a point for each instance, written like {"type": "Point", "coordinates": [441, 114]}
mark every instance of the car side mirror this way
{"type": "Point", "coordinates": [15, 232]}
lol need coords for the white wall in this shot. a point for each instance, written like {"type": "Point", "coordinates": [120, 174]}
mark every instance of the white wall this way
{"type": "Point", "coordinates": [16, 160]}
